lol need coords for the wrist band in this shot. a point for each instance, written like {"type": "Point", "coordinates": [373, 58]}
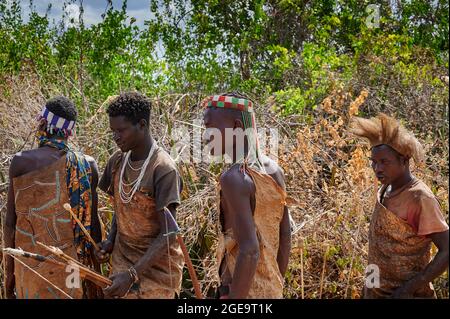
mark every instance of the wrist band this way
{"type": "Point", "coordinates": [133, 274]}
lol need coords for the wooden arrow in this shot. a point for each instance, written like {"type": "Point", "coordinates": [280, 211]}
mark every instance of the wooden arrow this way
{"type": "Point", "coordinates": [92, 241]}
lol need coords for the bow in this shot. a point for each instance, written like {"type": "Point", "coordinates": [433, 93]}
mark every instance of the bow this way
{"type": "Point", "coordinates": [172, 225]}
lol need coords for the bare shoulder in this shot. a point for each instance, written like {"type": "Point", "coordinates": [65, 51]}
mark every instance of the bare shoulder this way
{"type": "Point", "coordinates": [234, 181]}
{"type": "Point", "coordinates": [275, 171]}
{"type": "Point", "coordinates": [22, 162]}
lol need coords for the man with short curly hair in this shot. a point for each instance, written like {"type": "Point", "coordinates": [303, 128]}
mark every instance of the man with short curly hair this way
{"type": "Point", "coordinates": [143, 182]}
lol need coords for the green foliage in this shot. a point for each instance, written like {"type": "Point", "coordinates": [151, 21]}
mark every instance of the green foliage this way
{"type": "Point", "coordinates": [206, 46]}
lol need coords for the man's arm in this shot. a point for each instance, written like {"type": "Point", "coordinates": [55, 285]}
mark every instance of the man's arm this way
{"type": "Point", "coordinates": [107, 245]}
{"type": "Point", "coordinates": [113, 231]}
{"type": "Point", "coordinates": [9, 234]}
{"type": "Point", "coordinates": [284, 248]}
{"type": "Point", "coordinates": [440, 262]}
{"type": "Point", "coordinates": [237, 189]}
{"type": "Point", "coordinates": [96, 232]}
{"type": "Point", "coordinates": [435, 268]}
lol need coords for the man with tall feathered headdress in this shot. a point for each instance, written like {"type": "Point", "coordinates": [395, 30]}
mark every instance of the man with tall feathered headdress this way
{"type": "Point", "coordinates": [254, 237]}
{"type": "Point", "coordinates": [42, 180]}
{"type": "Point", "coordinates": [407, 218]}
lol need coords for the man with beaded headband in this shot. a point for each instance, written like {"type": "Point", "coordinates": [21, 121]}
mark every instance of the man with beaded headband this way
{"type": "Point", "coordinates": [42, 180]}
{"type": "Point", "coordinates": [407, 218]}
{"type": "Point", "coordinates": [253, 220]}
{"type": "Point", "coordinates": [144, 185]}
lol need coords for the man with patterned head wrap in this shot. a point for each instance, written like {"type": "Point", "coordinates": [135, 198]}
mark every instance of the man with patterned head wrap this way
{"type": "Point", "coordinates": [42, 180]}
{"type": "Point", "coordinates": [253, 220]}
{"type": "Point", "coordinates": [407, 218]}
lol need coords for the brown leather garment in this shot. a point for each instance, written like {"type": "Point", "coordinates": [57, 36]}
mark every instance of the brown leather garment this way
{"type": "Point", "coordinates": [137, 227]}
{"type": "Point", "coordinates": [399, 253]}
{"type": "Point", "coordinates": [39, 199]}
{"type": "Point", "coordinates": [270, 200]}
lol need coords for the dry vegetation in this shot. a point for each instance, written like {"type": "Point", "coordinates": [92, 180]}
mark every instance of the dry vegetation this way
{"type": "Point", "coordinates": [326, 171]}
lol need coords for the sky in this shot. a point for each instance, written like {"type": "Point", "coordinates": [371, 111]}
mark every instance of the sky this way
{"type": "Point", "coordinates": [93, 9]}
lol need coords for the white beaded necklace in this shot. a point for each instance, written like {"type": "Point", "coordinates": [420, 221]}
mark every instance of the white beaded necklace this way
{"type": "Point", "coordinates": [131, 166]}
{"type": "Point", "coordinates": [125, 196]}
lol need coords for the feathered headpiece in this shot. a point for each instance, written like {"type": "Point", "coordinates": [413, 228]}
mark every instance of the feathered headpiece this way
{"type": "Point", "coordinates": [384, 129]}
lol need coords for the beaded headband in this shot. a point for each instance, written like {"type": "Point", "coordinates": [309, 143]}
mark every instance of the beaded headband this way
{"type": "Point", "coordinates": [229, 102]}
{"type": "Point", "coordinates": [55, 122]}
{"type": "Point", "coordinates": [248, 118]}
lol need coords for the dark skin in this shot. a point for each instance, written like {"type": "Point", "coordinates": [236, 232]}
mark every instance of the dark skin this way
{"type": "Point", "coordinates": [238, 202]}
{"type": "Point", "coordinates": [137, 139]}
{"type": "Point", "coordinates": [23, 163]}
{"type": "Point", "coordinates": [391, 168]}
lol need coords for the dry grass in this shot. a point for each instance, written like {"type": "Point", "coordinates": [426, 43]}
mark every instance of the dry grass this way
{"type": "Point", "coordinates": [326, 171]}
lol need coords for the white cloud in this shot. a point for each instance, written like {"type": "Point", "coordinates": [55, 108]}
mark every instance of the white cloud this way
{"type": "Point", "coordinates": [93, 9]}
{"type": "Point", "coordinates": [73, 15]}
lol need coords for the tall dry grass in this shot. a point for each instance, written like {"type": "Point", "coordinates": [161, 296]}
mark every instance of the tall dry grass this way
{"type": "Point", "coordinates": [326, 170]}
